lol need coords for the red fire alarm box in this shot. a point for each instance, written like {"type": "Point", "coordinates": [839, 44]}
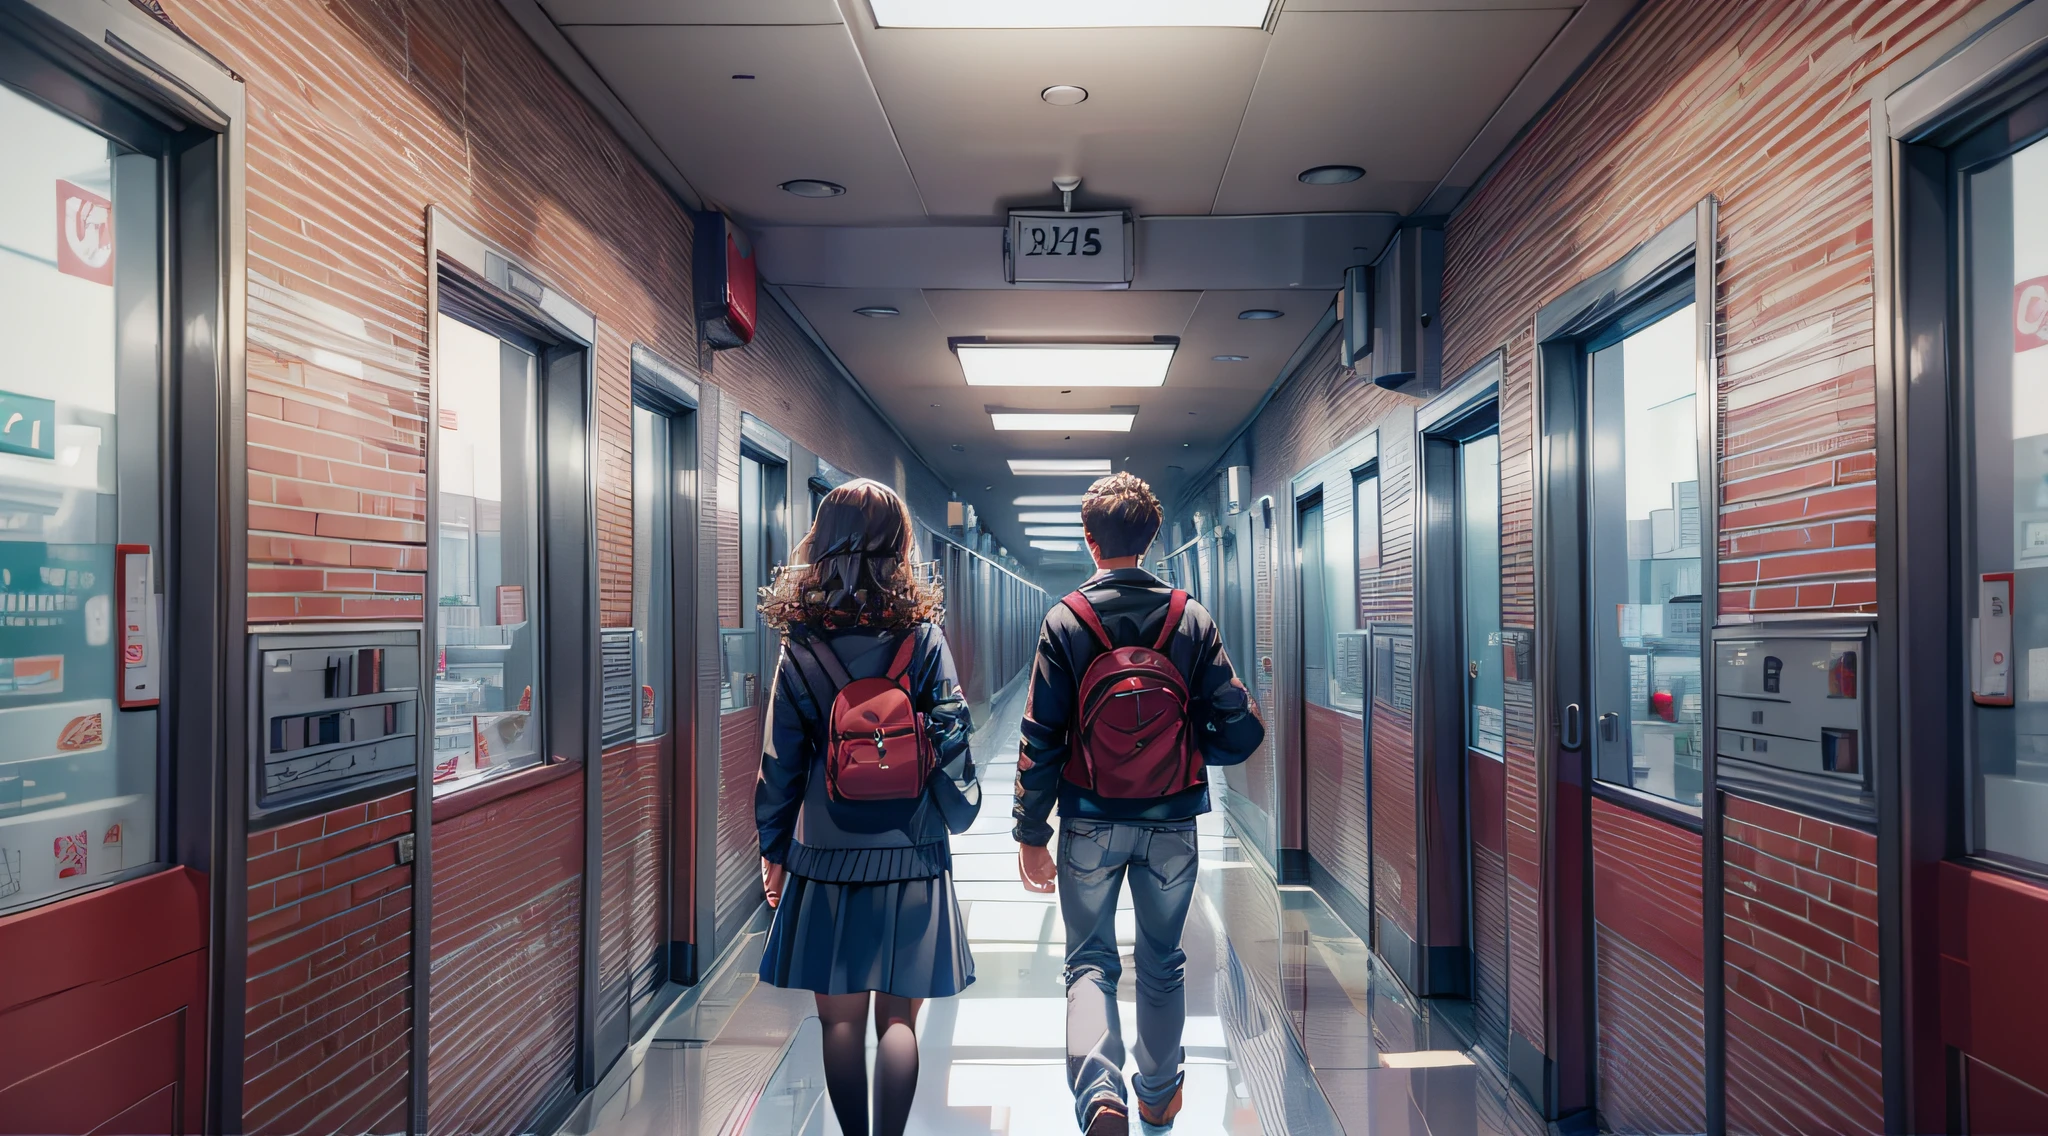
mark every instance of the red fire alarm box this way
{"type": "Point", "coordinates": [727, 289]}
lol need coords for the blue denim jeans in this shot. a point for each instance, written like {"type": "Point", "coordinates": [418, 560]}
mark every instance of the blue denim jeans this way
{"type": "Point", "coordinates": [1095, 859]}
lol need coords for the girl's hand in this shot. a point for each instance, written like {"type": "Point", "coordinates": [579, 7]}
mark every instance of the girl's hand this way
{"type": "Point", "coordinates": [772, 876]}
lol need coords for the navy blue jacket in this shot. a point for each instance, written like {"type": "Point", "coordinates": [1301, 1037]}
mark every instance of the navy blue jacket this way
{"type": "Point", "coordinates": [1131, 603]}
{"type": "Point", "coordinates": [814, 836]}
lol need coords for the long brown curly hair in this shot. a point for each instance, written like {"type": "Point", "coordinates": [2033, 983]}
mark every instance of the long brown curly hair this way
{"type": "Point", "coordinates": [855, 568]}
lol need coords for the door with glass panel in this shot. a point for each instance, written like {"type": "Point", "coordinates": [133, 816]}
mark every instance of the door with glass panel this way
{"type": "Point", "coordinates": [1484, 716]}
{"type": "Point", "coordinates": [1643, 558]}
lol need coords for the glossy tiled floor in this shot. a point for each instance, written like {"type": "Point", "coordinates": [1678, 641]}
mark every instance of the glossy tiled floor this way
{"type": "Point", "coordinates": [1292, 1027]}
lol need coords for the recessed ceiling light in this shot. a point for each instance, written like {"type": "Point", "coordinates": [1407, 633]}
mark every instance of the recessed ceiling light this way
{"type": "Point", "coordinates": [1048, 518]}
{"type": "Point", "coordinates": [1260, 314]}
{"type": "Point", "coordinates": [1059, 467]}
{"type": "Point", "coordinates": [1057, 545]}
{"type": "Point", "coordinates": [1117, 419]}
{"type": "Point", "coordinates": [1064, 95]}
{"type": "Point", "coordinates": [1072, 13]}
{"type": "Point", "coordinates": [1424, 1059]}
{"type": "Point", "coordinates": [1229, 358]}
{"type": "Point", "coordinates": [875, 312]}
{"type": "Point", "coordinates": [812, 187]}
{"type": "Point", "coordinates": [1329, 175]}
{"type": "Point", "coordinates": [1065, 365]}
{"type": "Point", "coordinates": [1073, 499]}
{"type": "Point", "coordinates": [1069, 532]}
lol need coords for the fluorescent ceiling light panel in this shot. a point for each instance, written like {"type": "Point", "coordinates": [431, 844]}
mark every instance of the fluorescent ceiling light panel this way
{"type": "Point", "coordinates": [1073, 499]}
{"type": "Point", "coordinates": [1059, 467]}
{"type": "Point", "coordinates": [1424, 1059]}
{"type": "Point", "coordinates": [1070, 532]}
{"type": "Point", "coordinates": [1065, 364]}
{"type": "Point", "coordinates": [1057, 545]}
{"type": "Point", "coordinates": [1117, 419]}
{"type": "Point", "coordinates": [1048, 518]}
{"type": "Point", "coordinates": [1071, 13]}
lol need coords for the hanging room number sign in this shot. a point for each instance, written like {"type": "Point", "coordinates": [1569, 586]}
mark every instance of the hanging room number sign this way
{"type": "Point", "coordinates": [1052, 247]}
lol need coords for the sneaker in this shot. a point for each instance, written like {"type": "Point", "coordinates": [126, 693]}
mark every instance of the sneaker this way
{"type": "Point", "coordinates": [1162, 1117]}
{"type": "Point", "coordinates": [1109, 1119]}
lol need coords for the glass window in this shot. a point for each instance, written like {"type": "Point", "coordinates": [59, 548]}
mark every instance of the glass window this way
{"type": "Point", "coordinates": [2007, 383]}
{"type": "Point", "coordinates": [654, 493]}
{"type": "Point", "coordinates": [1316, 645]}
{"type": "Point", "coordinates": [487, 660]}
{"type": "Point", "coordinates": [763, 549]}
{"type": "Point", "coordinates": [1644, 558]}
{"type": "Point", "coordinates": [1479, 538]}
{"type": "Point", "coordinates": [79, 507]}
{"type": "Point", "coordinates": [1365, 494]}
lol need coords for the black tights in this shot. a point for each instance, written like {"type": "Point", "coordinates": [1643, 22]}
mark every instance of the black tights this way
{"type": "Point", "coordinates": [844, 1018]}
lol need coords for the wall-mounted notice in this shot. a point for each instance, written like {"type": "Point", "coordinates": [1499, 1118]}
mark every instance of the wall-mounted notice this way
{"type": "Point", "coordinates": [1993, 670]}
{"type": "Point", "coordinates": [138, 643]}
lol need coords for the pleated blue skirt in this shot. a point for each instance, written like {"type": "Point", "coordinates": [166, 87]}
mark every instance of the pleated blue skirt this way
{"type": "Point", "coordinates": [901, 937]}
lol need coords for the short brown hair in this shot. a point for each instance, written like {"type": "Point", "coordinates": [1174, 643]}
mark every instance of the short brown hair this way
{"type": "Point", "coordinates": [1120, 515]}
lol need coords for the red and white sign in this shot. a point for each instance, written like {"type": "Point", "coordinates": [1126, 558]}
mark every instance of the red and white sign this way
{"type": "Point", "coordinates": [85, 234]}
{"type": "Point", "coordinates": [511, 604]}
{"type": "Point", "coordinates": [2030, 314]}
{"type": "Point", "coordinates": [70, 854]}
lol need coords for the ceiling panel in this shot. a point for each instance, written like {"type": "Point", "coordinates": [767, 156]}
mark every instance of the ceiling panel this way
{"type": "Point", "coordinates": [1155, 133]}
{"type": "Point", "coordinates": [807, 113]}
{"type": "Point", "coordinates": [692, 11]}
{"type": "Point", "coordinates": [1410, 90]}
{"type": "Point", "coordinates": [1418, 5]}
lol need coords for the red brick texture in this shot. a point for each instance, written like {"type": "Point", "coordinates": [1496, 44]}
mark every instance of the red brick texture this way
{"type": "Point", "coordinates": [1800, 942]}
{"type": "Point", "coordinates": [328, 1020]}
{"type": "Point", "coordinates": [1650, 973]}
{"type": "Point", "coordinates": [738, 873]}
{"type": "Point", "coordinates": [1334, 750]}
{"type": "Point", "coordinates": [507, 933]}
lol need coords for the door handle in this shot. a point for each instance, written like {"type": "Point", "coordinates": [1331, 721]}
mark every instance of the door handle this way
{"type": "Point", "coordinates": [1608, 723]}
{"type": "Point", "coordinates": [1568, 730]}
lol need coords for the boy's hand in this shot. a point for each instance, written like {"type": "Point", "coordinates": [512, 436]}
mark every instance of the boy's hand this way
{"type": "Point", "coordinates": [1035, 867]}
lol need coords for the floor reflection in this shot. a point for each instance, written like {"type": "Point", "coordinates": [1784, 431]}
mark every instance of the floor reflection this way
{"type": "Point", "coordinates": [1293, 1027]}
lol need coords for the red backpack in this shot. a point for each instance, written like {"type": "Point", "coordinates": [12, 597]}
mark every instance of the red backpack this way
{"type": "Point", "coordinates": [876, 748]}
{"type": "Point", "coordinates": [1131, 739]}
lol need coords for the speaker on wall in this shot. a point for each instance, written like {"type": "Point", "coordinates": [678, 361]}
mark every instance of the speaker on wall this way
{"type": "Point", "coordinates": [1354, 314]}
{"type": "Point", "coordinates": [1407, 335]}
{"type": "Point", "coordinates": [727, 284]}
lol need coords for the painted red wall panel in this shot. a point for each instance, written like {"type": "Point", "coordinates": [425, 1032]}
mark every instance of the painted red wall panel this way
{"type": "Point", "coordinates": [1994, 990]}
{"type": "Point", "coordinates": [1800, 943]}
{"type": "Point", "coordinates": [102, 1026]}
{"type": "Point", "coordinates": [327, 1024]}
{"type": "Point", "coordinates": [633, 877]}
{"type": "Point", "coordinates": [507, 940]}
{"type": "Point", "coordinates": [1650, 972]}
{"type": "Point", "coordinates": [1394, 839]}
{"type": "Point", "coordinates": [739, 846]}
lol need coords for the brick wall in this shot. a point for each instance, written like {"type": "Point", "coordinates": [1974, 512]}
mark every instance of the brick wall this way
{"type": "Point", "coordinates": [1334, 748]}
{"type": "Point", "coordinates": [1800, 935]}
{"type": "Point", "coordinates": [507, 940]}
{"type": "Point", "coordinates": [738, 872]}
{"type": "Point", "coordinates": [328, 1020]}
{"type": "Point", "coordinates": [1650, 973]}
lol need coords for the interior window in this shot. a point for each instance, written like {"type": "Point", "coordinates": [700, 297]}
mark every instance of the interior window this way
{"type": "Point", "coordinates": [79, 507]}
{"type": "Point", "coordinates": [486, 622]}
{"type": "Point", "coordinates": [654, 490]}
{"type": "Point", "coordinates": [1316, 645]}
{"type": "Point", "coordinates": [1644, 556]}
{"type": "Point", "coordinates": [763, 520]}
{"type": "Point", "coordinates": [2006, 282]}
{"type": "Point", "coordinates": [1479, 534]}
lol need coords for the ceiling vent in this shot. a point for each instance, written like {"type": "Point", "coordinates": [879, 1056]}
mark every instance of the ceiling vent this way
{"type": "Point", "coordinates": [1407, 337]}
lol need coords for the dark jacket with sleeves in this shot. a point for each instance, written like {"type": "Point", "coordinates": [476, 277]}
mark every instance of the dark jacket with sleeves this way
{"type": "Point", "coordinates": [1132, 604]}
{"type": "Point", "coordinates": [819, 838]}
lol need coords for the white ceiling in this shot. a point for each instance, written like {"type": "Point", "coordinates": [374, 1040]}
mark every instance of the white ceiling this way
{"type": "Point", "coordinates": [946, 127]}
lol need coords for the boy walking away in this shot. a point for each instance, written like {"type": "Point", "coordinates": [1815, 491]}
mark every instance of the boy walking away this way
{"type": "Point", "coordinates": [1132, 699]}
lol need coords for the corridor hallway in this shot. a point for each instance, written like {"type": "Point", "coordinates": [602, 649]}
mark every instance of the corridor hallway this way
{"type": "Point", "coordinates": [741, 1058]}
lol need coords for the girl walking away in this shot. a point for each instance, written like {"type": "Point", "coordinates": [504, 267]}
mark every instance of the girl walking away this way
{"type": "Point", "coordinates": [865, 771]}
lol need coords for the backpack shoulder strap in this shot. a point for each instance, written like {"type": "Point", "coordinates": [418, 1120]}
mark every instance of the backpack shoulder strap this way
{"type": "Point", "coordinates": [827, 660]}
{"type": "Point", "coordinates": [1175, 608]}
{"type": "Point", "coordinates": [906, 653]}
{"type": "Point", "coordinates": [1085, 612]}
